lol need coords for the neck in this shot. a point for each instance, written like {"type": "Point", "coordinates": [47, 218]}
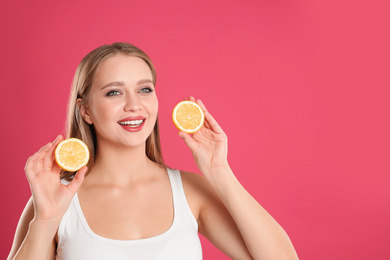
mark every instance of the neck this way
{"type": "Point", "coordinates": [120, 165]}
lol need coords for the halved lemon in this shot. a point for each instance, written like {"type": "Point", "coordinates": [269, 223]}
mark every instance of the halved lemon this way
{"type": "Point", "coordinates": [71, 154]}
{"type": "Point", "coordinates": [188, 116]}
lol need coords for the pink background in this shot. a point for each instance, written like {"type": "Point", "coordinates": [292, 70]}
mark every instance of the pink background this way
{"type": "Point", "coordinates": [300, 87]}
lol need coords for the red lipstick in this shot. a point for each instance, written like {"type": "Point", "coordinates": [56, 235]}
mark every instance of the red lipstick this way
{"type": "Point", "coordinates": [125, 123]}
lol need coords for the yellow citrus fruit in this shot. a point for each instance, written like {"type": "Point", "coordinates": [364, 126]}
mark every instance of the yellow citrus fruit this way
{"type": "Point", "coordinates": [188, 116]}
{"type": "Point", "coordinates": [71, 154]}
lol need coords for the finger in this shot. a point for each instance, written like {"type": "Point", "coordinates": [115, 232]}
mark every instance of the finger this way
{"type": "Point", "coordinates": [206, 124]}
{"type": "Point", "coordinates": [55, 167]}
{"type": "Point", "coordinates": [210, 122]}
{"type": "Point", "coordinates": [38, 165]}
{"type": "Point", "coordinates": [58, 139]}
{"type": "Point", "coordinates": [47, 163]}
{"type": "Point", "coordinates": [78, 180]}
{"type": "Point", "coordinates": [200, 103]}
{"type": "Point", "coordinates": [29, 167]}
{"type": "Point", "coordinates": [43, 151]}
{"type": "Point", "coordinates": [202, 106]}
{"type": "Point", "coordinates": [31, 160]}
{"type": "Point", "coordinates": [49, 158]}
{"type": "Point", "coordinates": [213, 123]}
{"type": "Point", "coordinates": [189, 141]}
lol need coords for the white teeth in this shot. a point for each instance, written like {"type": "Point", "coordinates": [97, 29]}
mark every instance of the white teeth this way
{"type": "Point", "coordinates": [132, 123]}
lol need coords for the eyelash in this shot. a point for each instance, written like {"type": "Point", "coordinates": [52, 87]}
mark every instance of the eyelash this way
{"type": "Point", "coordinates": [111, 93]}
{"type": "Point", "coordinates": [149, 90]}
{"type": "Point", "coordinates": [116, 92]}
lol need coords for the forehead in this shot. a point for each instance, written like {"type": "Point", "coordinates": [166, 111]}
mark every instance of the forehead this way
{"type": "Point", "coordinates": [124, 68]}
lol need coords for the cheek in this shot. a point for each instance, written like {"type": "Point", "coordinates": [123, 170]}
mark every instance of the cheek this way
{"type": "Point", "coordinates": [155, 109]}
{"type": "Point", "coordinates": [151, 106]}
{"type": "Point", "coordinates": [156, 106]}
{"type": "Point", "coordinates": [104, 111]}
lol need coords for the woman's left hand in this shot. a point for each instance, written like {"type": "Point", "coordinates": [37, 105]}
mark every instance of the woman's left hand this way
{"type": "Point", "coordinates": [208, 145]}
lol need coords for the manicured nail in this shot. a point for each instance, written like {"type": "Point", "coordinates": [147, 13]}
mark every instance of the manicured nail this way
{"type": "Point", "coordinates": [56, 138]}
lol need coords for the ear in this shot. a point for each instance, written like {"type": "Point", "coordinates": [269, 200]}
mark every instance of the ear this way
{"type": "Point", "coordinates": [84, 111]}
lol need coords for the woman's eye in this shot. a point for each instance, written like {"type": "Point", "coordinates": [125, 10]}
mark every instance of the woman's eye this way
{"type": "Point", "coordinates": [113, 93]}
{"type": "Point", "coordinates": [146, 90]}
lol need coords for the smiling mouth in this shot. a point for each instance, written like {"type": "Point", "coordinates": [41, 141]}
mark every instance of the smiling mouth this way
{"type": "Point", "coordinates": [132, 123]}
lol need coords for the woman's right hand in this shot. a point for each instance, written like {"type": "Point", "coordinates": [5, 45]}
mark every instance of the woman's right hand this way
{"type": "Point", "coordinates": [51, 198]}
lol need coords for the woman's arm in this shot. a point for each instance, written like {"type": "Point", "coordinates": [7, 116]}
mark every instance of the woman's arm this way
{"type": "Point", "coordinates": [34, 238]}
{"type": "Point", "coordinates": [25, 235]}
{"type": "Point", "coordinates": [214, 221]}
{"type": "Point", "coordinates": [263, 237]}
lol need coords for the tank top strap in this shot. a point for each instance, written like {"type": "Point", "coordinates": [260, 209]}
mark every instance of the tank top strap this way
{"type": "Point", "coordinates": [181, 207]}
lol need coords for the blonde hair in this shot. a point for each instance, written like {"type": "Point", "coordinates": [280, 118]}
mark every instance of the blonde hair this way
{"type": "Point", "coordinates": [81, 87]}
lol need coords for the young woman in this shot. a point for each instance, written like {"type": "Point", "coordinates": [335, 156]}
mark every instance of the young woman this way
{"type": "Point", "coordinates": [127, 204]}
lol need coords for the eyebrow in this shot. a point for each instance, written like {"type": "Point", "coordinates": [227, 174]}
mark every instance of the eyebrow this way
{"type": "Point", "coordinates": [143, 81]}
{"type": "Point", "coordinates": [114, 83]}
{"type": "Point", "coordinates": [121, 83]}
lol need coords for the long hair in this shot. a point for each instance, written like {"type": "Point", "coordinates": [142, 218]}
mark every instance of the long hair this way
{"type": "Point", "coordinates": [81, 88]}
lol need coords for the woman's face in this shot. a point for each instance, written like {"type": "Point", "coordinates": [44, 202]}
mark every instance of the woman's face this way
{"type": "Point", "coordinates": [123, 105]}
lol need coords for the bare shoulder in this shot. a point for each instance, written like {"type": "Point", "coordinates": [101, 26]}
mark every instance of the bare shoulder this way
{"type": "Point", "coordinates": [195, 183]}
{"type": "Point", "coordinates": [198, 191]}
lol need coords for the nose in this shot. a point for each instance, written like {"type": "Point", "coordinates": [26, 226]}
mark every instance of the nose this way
{"type": "Point", "coordinates": [132, 104]}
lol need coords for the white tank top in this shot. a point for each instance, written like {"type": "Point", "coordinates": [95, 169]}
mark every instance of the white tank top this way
{"type": "Point", "coordinates": [76, 240]}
